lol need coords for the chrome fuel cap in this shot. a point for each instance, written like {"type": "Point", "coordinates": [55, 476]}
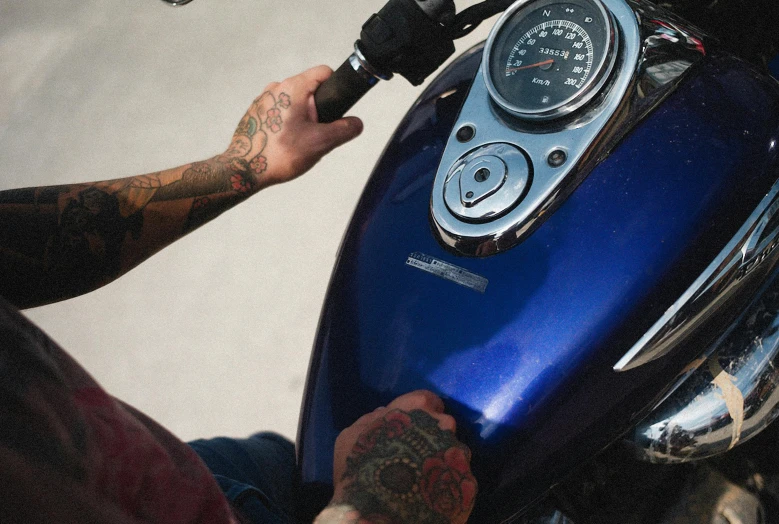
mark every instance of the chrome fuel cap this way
{"type": "Point", "coordinates": [486, 183]}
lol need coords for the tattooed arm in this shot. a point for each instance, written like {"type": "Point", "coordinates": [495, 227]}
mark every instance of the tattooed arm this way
{"type": "Point", "coordinates": [401, 464]}
{"type": "Point", "coordinates": [62, 241]}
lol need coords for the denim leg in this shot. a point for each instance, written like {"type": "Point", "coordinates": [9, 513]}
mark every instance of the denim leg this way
{"type": "Point", "coordinates": [257, 474]}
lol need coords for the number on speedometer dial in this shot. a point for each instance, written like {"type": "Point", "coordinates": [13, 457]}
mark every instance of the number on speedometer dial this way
{"type": "Point", "coordinates": [548, 58]}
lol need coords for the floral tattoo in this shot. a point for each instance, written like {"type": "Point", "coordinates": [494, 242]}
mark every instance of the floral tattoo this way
{"type": "Point", "coordinates": [404, 468]}
{"type": "Point", "coordinates": [80, 241]}
{"type": "Point", "coordinates": [259, 164]}
{"type": "Point", "coordinates": [250, 138]}
{"type": "Point", "coordinates": [273, 120]}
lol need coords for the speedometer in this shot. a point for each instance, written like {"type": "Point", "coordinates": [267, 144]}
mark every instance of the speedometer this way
{"type": "Point", "coordinates": [547, 58]}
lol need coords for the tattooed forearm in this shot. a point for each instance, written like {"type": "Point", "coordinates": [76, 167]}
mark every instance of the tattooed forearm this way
{"type": "Point", "coordinates": [404, 468]}
{"type": "Point", "coordinates": [62, 241]}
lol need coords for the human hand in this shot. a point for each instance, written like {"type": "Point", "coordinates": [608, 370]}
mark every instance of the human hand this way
{"type": "Point", "coordinates": [279, 137]}
{"type": "Point", "coordinates": [402, 463]}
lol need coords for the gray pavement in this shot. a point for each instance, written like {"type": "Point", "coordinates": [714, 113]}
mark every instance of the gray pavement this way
{"type": "Point", "coordinates": [212, 335]}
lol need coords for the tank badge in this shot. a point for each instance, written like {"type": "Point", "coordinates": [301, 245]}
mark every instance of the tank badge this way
{"type": "Point", "coordinates": [447, 271]}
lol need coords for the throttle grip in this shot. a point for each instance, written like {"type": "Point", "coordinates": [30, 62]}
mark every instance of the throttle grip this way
{"type": "Point", "coordinates": [344, 88]}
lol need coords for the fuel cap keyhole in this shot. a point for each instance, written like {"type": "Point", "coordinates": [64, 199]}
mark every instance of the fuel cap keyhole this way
{"type": "Point", "coordinates": [482, 175]}
{"type": "Point", "coordinates": [481, 178]}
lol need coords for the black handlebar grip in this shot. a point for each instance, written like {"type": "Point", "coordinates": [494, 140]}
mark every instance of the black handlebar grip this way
{"type": "Point", "coordinates": [340, 92]}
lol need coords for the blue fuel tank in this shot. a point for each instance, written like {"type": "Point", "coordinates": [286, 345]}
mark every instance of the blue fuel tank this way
{"type": "Point", "coordinates": [522, 344]}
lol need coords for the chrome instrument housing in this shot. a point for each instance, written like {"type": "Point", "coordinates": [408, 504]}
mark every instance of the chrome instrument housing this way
{"type": "Point", "coordinates": [655, 50]}
{"type": "Point", "coordinates": [575, 101]}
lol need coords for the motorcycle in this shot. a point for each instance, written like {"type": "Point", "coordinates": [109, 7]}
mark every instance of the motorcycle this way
{"type": "Point", "coordinates": [571, 237]}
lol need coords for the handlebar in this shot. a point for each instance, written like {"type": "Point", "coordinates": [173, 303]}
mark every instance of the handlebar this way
{"type": "Point", "coordinates": [408, 37]}
{"type": "Point", "coordinates": [345, 87]}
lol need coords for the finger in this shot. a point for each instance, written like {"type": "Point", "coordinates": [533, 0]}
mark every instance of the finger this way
{"type": "Point", "coordinates": [339, 132]}
{"type": "Point", "coordinates": [420, 399]}
{"type": "Point", "coordinates": [446, 422]}
{"type": "Point", "coordinates": [343, 130]}
{"type": "Point", "coordinates": [467, 451]}
{"type": "Point", "coordinates": [313, 115]}
{"type": "Point", "coordinates": [369, 417]}
{"type": "Point", "coordinates": [315, 76]}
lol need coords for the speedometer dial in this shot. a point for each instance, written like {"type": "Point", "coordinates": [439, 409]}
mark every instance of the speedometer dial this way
{"type": "Point", "coordinates": [547, 58]}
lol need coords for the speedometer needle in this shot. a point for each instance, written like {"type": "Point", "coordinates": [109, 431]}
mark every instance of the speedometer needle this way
{"type": "Point", "coordinates": [538, 64]}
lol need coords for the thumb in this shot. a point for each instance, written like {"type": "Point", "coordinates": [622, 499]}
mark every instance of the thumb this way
{"type": "Point", "coordinates": [341, 131]}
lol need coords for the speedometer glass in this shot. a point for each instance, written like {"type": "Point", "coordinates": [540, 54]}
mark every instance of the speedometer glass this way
{"type": "Point", "coordinates": [547, 58]}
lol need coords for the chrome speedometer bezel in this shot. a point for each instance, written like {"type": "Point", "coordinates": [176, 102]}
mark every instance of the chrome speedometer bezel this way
{"type": "Point", "coordinates": [583, 95]}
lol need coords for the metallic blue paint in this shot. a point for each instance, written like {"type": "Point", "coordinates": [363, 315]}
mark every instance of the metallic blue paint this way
{"type": "Point", "coordinates": [526, 367]}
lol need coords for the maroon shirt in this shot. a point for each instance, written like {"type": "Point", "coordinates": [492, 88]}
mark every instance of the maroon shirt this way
{"type": "Point", "coordinates": [69, 452]}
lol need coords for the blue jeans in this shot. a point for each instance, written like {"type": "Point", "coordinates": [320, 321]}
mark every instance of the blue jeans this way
{"type": "Point", "coordinates": [257, 475]}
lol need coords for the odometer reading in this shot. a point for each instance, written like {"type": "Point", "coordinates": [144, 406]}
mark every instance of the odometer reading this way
{"type": "Point", "coordinates": [576, 62]}
{"type": "Point", "coordinates": [549, 57]}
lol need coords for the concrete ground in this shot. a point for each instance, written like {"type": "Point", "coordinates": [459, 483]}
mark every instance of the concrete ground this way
{"type": "Point", "coordinates": [212, 335]}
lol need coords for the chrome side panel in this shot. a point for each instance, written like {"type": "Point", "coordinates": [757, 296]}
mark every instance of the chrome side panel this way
{"type": "Point", "coordinates": [751, 251]}
{"type": "Point", "coordinates": [728, 399]}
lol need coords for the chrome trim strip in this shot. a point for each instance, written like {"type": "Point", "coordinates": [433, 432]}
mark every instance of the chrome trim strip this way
{"type": "Point", "coordinates": [728, 399]}
{"type": "Point", "coordinates": [751, 246]}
